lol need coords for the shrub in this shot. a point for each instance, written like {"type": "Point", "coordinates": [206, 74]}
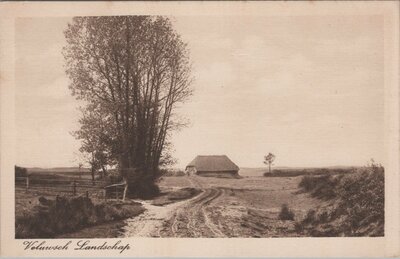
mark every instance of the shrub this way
{"type": "Point", "coordinates": [322, 187]}
{"type": "Point", "coordinates": [286, 213]}
{"type": "Point", "coordinates": [310, 217]}
{"type": "Point", "coordinates": [64, 215]}
{"type": "Point", "coordinates": [357, 207]}
{"type": "Point", "coordinates": [362, 198]}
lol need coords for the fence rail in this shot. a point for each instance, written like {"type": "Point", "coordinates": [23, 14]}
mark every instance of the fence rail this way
{"type": "Point", "coordinates": [88, 187]}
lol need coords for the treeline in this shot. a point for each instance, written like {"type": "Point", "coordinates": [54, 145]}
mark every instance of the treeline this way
{"type": "Point", "coordinates": [309, 171]}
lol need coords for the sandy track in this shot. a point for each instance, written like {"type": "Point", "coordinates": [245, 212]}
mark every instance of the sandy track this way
{"type": "Point", "coordinates": [192, 219]}
{"type": "Point", "coordinates": [188, 218]}
{"type": "Point", "coordinates": [246, 207]}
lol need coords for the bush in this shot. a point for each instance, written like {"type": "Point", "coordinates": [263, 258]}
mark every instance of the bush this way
{"type": "Point", "coordinates": [286, 213]}
{"type": "Point", "coordinates": [64, 215]}
{"type": "Point", "coordinates": [322, 187]}
{"type": "Point", "coordinates": [357, 204]}
{"type": "Point", "coordinates": [362, 198]}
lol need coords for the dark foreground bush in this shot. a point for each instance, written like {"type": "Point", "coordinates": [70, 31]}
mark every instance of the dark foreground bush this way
{"type": "Point", "coordinates": [63, 215]}
{"type": "Point", "coordinates": [286, 213]}
{"type": "Point", "coordinates": [356, 209]}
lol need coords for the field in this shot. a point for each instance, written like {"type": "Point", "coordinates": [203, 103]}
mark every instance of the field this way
{"type": "Point", "coordinates": [55, 181]}
{"type": "Point", "coordinates": [246, 207]}
{"type": "Point", "coordinates": [312, 202]}
{"type": "Point", "coordinates": [315, 202]}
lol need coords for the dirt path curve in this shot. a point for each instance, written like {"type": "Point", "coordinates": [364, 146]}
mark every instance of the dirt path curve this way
{"type": "Point", "coordinates": [151, 221]}
{"type": "Point", "coordinates": [192, 220]}
{"type": "Point", "coordinates": [188, 218]}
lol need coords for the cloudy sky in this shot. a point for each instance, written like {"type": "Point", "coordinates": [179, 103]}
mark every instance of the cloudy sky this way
{"type": "Point", "coordinates": [307, 88]}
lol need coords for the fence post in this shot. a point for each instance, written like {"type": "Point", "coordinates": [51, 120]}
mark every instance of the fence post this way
{"type": "Point", "coordinates": [116, 192]}
{"type": "Point", "coordinates": [105, 194]}
{"type": "Point", "coordinates": [74, 188]}
{"type": "Point", "coordinates": [87, 194]}
{"type": "Point", "coordinates": [125, 189]}
{"type": "Point", "coordinates": [27, 183]}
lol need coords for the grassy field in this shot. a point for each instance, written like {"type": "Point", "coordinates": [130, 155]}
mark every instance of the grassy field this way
{"type": "Point", "coordinates": [244, 207]}
{"type": "Point", "coordinates": [50, 182]}
{"type": "Point", "coordinates": [293, 202]}
{"type": "Point", "coordinates": [312, 202]}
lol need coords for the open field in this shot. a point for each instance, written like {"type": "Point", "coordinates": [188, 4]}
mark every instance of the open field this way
{"type": "Point", "coordinates": [246, 207]}
{"type": "Point", "coordinates": [251, 206]}
{"type": "Point", "coordinates": [31, 183]}
{"type": "Point", "coordinates": [335, 202]}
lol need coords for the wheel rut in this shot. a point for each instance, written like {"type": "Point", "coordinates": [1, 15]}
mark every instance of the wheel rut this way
{"type": "Point", "coordinates": [192, 219]}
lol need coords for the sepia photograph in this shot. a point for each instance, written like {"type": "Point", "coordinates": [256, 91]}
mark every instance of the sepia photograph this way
{"type": "Point", "coordinates": [199, 127]}
{"type": "Point", "coordinates": [166, 125]}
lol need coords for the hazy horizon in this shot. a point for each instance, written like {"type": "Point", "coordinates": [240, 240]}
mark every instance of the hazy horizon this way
{"type": "Point", "coordinates": [307, 88]}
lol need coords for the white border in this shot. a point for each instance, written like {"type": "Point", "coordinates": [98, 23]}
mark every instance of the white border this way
{"type": "Point", "coordinates": [235, 247]}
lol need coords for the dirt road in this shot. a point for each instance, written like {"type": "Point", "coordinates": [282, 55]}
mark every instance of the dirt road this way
{"type": "Point", "coordinates": [182, 219]}
{"type": "Point", "coordinates": [222, 209]}
{"type": "Point", "coordinates": [192, 219]}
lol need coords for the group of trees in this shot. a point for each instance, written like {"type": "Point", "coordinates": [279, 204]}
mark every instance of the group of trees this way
{"type": "Point", "coordinates": [131, 72]}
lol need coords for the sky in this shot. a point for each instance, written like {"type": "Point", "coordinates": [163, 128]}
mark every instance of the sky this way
{"type": "Point", "coordinates": [307, 88]}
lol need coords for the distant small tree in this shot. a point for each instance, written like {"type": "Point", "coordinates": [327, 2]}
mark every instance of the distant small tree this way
{"type": "Point", "coordinates": [268, 160]}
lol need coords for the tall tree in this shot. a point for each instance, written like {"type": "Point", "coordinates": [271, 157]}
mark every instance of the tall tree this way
{"type": "Point", "coordinates": [132, 72]}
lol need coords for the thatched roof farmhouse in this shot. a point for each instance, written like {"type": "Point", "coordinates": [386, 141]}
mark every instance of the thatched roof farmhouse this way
{"type": "Point", "coordinates": [218, 166]}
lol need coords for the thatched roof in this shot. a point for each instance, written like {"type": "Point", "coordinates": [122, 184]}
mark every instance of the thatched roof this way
{"type": "Point", "coordinates": [213, 163]}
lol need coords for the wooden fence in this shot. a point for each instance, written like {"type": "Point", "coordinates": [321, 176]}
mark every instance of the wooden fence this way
{"type": "Point", "coordinates": [68, 186]}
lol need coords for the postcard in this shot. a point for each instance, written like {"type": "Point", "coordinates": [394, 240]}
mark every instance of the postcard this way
{"type": "Point", "coordinates": [200, 129]}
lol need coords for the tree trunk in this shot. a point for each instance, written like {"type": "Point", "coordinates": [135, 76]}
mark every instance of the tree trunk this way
{"type": "Point", "coordinates": [92, 172]}
{"type": "Point", "coordinates": [103, 172]}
